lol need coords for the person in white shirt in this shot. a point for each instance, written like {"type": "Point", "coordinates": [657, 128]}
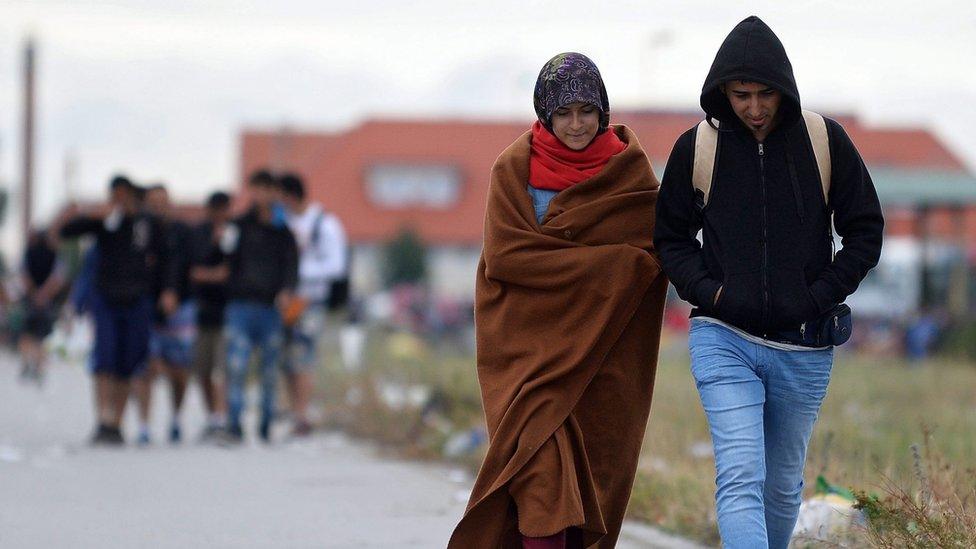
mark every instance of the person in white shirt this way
{"type": "Point", "coordinates": [322, 253]}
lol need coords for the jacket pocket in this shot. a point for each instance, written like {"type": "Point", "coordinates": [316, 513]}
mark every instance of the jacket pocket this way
{"type": "Point", "coordinates": [790, 299]}
{"type": "Point", "coordinates": [741, 301]}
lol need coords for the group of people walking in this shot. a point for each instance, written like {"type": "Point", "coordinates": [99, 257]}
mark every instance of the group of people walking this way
{"type": "Point", "coordinates": [580, 242]}
{"type": "Point", "coordinates": [171, 299]}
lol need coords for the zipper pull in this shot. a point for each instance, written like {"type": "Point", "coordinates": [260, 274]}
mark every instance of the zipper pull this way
{"type": "Point", "coordinates": [760, 149]}
{"type": "Point", "coordinates": [803, 330]}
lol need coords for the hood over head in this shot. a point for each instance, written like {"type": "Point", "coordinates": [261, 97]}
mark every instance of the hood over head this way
{"type": "Point", "coordinates": [751, 52]}
{"type": "Point", "coordinates": [570, 78]}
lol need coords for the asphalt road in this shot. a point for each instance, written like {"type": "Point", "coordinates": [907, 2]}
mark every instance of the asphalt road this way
{"type": "Point", "coordinates": [327, 491]}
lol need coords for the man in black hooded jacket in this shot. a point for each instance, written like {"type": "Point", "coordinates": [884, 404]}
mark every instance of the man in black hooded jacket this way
{"type": "Point", "coordinates": [763, 275]}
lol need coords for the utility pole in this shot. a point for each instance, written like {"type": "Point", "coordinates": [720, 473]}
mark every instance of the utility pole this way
{"type": "Point", "coordinates": [28, 136]}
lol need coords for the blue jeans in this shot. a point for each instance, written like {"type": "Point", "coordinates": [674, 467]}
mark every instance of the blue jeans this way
{"type": "Point", "coordinates": [173, 341]}
{"type": "Point", "coordinates": [251, 325]}
{"type": "Point", "coordinates": [761, 404]}
{"type": "Point", "coordinates": [301, 352]}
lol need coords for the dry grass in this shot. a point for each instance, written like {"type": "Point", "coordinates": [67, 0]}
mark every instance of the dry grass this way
{"type": "Point", "coordinates": [871, 418]}
{"type": "Point", "coordinates": [937, 510]}
{"type": "Point", "coordinates": [873, 414]}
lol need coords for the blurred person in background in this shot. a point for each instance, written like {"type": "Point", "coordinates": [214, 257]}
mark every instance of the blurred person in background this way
{"type": "Point", "coordinates": [766, 287]}
{"type": "Point", "coordinates": [321, 244]}
{"type": "Point", "coordinates": [568, 312]}
{"type": "Point", "coordinates": [174, 318]}
{"type": "Point", "coordinates": [43, 279]}
{"type": "Point", "coordinates": [263, 272]}
{"type": "Point", "coordinates": [130, 245]}
{"type": "Point", "coordinates": [208, 283]}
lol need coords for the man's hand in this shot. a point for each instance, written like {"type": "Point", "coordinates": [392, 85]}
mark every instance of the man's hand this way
{"type": "Point", "coordinates": [284, 300]}
{"type": "Point", "coordinates": [221, 272]}
{"type": "Point", "coordinates": [71, 210]}
{"type": "Point", "coordinates": [40, 298]}
{"type": "Point", "coordinates": [169, 302]}
{"type": "Point", "coordinates": [210, 275]}
{"type": "Point", "coordinates": [217, 234]}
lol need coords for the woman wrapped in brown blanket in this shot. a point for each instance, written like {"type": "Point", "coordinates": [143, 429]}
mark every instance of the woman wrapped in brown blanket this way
{"type": "Point", "coordinates": [568, 309]}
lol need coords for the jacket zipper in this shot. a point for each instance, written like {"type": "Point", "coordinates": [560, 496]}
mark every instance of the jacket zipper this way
{"type": "Point", "coordinates": [765, 254]}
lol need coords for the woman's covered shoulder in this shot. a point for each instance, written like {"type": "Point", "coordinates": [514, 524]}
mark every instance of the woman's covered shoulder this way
{"type": "Point", "coordinates": [517, 151]}
{"type": "Point", "coordinates": [512, 165]}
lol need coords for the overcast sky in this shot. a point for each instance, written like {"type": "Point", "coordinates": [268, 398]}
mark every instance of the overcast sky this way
{"type": "Point", "coordinates": [162, 92]}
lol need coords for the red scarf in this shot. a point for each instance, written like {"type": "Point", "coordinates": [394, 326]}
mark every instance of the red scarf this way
{"type": "Point", "coordinates": [556, 167]}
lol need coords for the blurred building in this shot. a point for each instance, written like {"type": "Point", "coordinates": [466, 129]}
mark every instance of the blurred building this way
{"type": "Point", "coordinates": [432, 176]}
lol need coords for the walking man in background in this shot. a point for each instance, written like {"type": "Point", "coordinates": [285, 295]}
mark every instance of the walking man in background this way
{"type": "Point", "coordinates": [766, 289]}
{"type": "Point", "coordinates": [174, 322]}
{"type": "Point", "coordinates": [43, 277]}
{"type": "Point", "coordinates": [321, 244]}
{"type": "Point", "coordinates": [208, 281]}
{"type": "Point", "coordinates": [131, 246]}
{"type": "Point", "coordinates": [263, 272]}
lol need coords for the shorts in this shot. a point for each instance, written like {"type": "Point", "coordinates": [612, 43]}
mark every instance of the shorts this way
{"type": "Point", "coordinates": [121, 336]}
{"type": "Point", "coordinates": [302, 341]}
{"type": "Point", "coordinates": [209, 351]}
{"type": "Point", "coordinates": [39, 322]}
{"type": "Point", "coordinates": [173, 341]}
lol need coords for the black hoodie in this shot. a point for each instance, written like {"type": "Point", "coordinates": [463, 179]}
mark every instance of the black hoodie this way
{"type": "Point", "coordinates": [132, 255]}
{"type": "Point", "coordinates": [263, 260]}
{"type": "Point", "coordinates": [765, 231]}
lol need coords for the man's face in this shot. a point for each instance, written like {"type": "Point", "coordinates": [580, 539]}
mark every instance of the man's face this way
{"type": "Point", "coordinates": [292, 202]}
{"type": "Point", "coordinates": [123, 197]}
{"type": "Point", "coordinates": [157, 202]}
{"type": "Point", "coordinates": [755, 104]}
{"type": "Point", "coordinates": [263, 195]}
{"type": "Point", "coordinates": [219, 215]}
{"type": "Point", "coordinates": [576, 124]}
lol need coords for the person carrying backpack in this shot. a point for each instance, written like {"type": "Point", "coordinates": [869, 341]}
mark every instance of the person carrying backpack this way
{"type": "Point", "coordinates": [321, 261]}
{"type": "Point", "coordinates": [762, 179]}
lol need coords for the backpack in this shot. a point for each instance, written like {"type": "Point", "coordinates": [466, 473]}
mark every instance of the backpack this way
{"type": "Point", "coordinates": [339, 287]}
{"type": "Point", "coordinates": [706, 150]}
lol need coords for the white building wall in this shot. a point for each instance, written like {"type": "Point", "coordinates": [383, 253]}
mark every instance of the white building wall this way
{"type": "Point", "coordinates": [451, 270]}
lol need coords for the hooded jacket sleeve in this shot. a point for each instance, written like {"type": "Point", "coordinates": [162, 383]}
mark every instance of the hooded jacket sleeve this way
{"type": "Point", "coordinates": [857, 219]}
{"type": "Point", "coordinates": [677, 226]}
{"type": "Point", "coordinates": [81, 225]}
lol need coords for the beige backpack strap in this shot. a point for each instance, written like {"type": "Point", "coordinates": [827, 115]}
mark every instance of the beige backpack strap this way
{"type": "Point", "coordinates": [817, 130]}
{"type": "Point", "coordinates": [706, 143]}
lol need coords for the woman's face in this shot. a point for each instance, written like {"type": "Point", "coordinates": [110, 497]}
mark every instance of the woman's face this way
{"type": "Point", "coordinates": [576, 124]}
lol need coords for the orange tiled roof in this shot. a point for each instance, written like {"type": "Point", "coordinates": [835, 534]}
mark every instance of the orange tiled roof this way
{"type": "Point", "coordinates": [334, 164]}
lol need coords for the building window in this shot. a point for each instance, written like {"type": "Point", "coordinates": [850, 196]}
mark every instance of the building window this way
{"type": "Point", "coordinates": [410, 186]}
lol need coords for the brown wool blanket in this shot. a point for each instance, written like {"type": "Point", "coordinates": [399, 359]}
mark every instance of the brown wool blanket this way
{"type": "Point", "coordinates": [568, 319]}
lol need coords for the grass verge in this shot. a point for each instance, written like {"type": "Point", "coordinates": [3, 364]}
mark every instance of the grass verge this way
{"type": "Point", "coordinates": [414, 397]}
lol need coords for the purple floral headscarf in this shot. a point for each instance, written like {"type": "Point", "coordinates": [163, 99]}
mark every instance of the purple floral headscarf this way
{"type": "Point", "coordinates": [570, 78]}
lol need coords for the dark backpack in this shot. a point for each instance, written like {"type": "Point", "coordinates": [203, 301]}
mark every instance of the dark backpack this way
{"type": "Point", "coordinates": [339, 287]}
